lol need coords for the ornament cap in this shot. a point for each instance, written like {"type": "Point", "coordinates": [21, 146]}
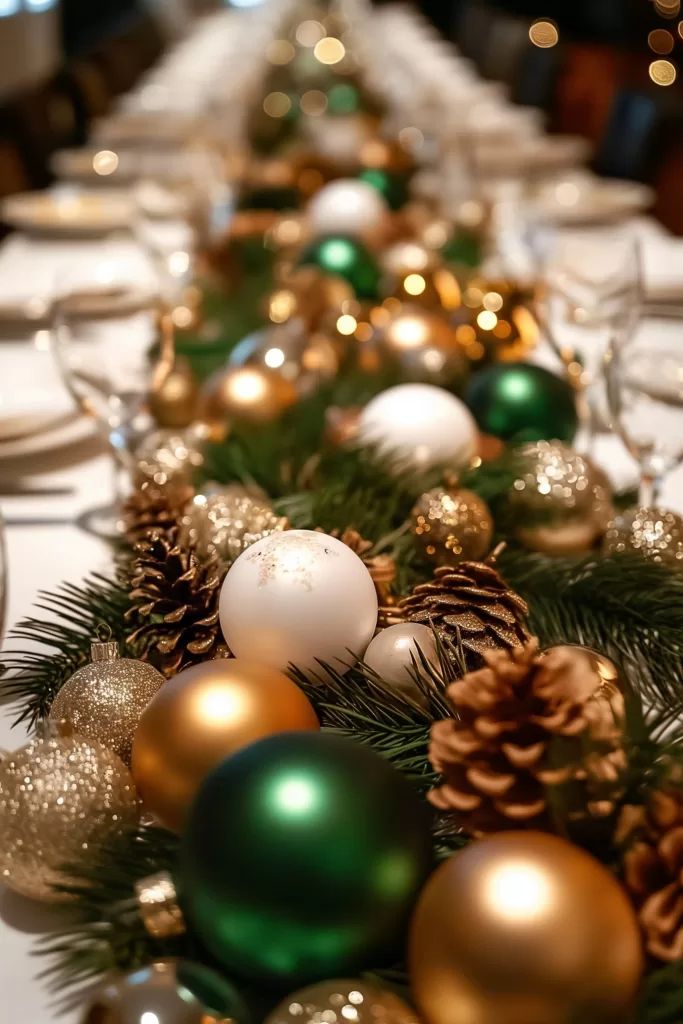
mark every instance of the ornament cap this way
{"type": "Point", "coordinates": [104, 648]}
{"type": "Point", "coordinates": [158, 906]}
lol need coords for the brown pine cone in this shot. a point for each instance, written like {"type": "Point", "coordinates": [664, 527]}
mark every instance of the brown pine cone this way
{"type": "Point", "coordinates": [174, 604]}
{"type": "Point", "coordinates": [653, 870]}
{"type": "Point", "coordinates": [472, 606]}
{"type": "Point", "coordinates": [154, 508]}
{"type": "Point", "coordinates": [526, 746]}
{"type": "Point", "coordinates": [382, 569]}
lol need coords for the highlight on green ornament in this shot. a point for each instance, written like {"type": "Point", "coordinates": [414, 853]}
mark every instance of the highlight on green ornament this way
{"type": "Point", "coordinates": [523, 402]}
{"type": "Point", "coordinates": [347, 258]}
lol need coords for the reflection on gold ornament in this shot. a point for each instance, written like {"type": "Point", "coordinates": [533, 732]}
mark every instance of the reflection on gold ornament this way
{"type": "Point", "coordinates": [433, 287]}
{"type": "Point", "coordinates": [451, 526]}
{"type": "Point", "coordinates": [597, 679]}
{"type": "Point", "coordinates": [341, 1002]}
{"type": "Point", "coordinates": [421, 343]}
{"type": "Point", "coordinates": [654, 533]}
{"type": "Point", "coordinates": [244, 394]}
{"type": "Point", "coordinates": [200, 717]}
{"type": "Point", "coordinates": [494, 321]}
{"type": "Point", "coordinates": [524, 927]}
{"type": "Point", "coordinates": [307, 293]}
{"type": "Point", "coordinates": [408, 257]}
{"type": "Point", "coordinates": [298, 356]}
{"type": "Point", "coordinates": [173, 400]}
{"type": "Point", "coordinates": [168, 457]}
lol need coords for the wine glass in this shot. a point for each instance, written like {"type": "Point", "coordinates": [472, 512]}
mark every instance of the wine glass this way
{"type": "Point", "coordinates": [112, 342]}
{"type": "Point", "coordinates": [644, 374]}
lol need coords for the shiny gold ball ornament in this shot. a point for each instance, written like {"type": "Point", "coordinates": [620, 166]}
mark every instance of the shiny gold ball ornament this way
{"type": "Point", "coordinates": [434, 287]}
{"type": "Point", "coordinates": [654, 533]}
{"type": "Point", "coordinates": [300, 357]}
{"type": "Point", "coordinates": [225, 524]}
{"type": "Point", "coordinates": [560, 502]}
{"type": "Point", "coordinates": [173, 398]}
{"type": "Point", "coordinates": [340, 1002]}
{"type": "Point", "coordinates": [166, 992]}
{"type": "Point", "coordinates": [104, 700]}
{"type": "Point", "coordinates": [203, 715]}
{"type": "Point", "coordinates": [59, 798]}
{"type": "Point", "coordinates": [307, 293]}
{"type": "Point", "coordinates": [524, 927]}
{"type": "Point", "coordinates": [168, 456]}
{"type": "Point", "coordinates": [244, 395]}
{"type": "Point", "coordinates": [451, 526]}
{"type": "Point", "coordinates": [422, 343]}
{"type": "Point", "coordinates": [493, 320]}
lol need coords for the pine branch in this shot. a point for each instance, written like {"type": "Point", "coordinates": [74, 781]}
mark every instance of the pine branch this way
{"type": "Point", "coordinates": [662, 997]}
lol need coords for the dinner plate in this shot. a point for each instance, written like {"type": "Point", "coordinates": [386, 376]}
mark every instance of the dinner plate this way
{"type": "Point", "coordinates": [69, 212]}
{"type": "Point", "coordinates": [140, 129]}
{"type": "Point", "coordinates": [591, 200]}
{"type": "Point", "coordinates": [72, 429]}
{"type": "Point", "coordinates": [542, 155]}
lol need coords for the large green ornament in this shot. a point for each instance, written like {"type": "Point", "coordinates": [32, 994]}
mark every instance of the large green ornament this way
{"type": "Point", "coordinates": [523, 402]}
{"type": "Point", "coordinates": [392, 186]}
{"type": "Point", "coordinates": [302, 858]}
{"type": "Point", "coordinates": [348, 258]}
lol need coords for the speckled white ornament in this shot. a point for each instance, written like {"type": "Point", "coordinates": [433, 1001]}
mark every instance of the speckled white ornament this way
{"type": "Point", "coordinates": [421, 425]}
{"type": "Point", "coordinates": [298, 597]}
{"type": "Point", "coordinates": [393, 652]}
{"type": "Point", "coordinates": [349, 207]}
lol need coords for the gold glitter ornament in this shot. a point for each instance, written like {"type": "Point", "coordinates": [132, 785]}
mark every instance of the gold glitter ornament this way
{"type": "Point", "coordinates": [560, 502]}
{"type": "Point", "coordinates": [651, 532]}
{"type": "Point", "coordinates": [451, 526]}
{"type": "Point", "coordinates": [59, 797]}
{"type": "Point", "coordinates": [104, 700]}
{"type": "Point", "coordinates": [168, 456]}
{"type": "Point", "coordinates": [341, 1001]}
{"type": "Point", "coordinates": [226, 524]}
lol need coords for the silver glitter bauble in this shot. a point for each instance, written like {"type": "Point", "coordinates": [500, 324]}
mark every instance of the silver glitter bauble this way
{"type": "Point", "coordinates": [342, 1002]}
{"type": "Point", "coordinates": [560, 501]}
{"type": "Point", "coordinates": [59, 798]}
{"type": "Point", "coordinates": [649, 531]}
{"type": "Point", "coordinates": [104, 700]}
{"type": "Point", "coordinates": [227, 523]}
{"type": "Point", "coordinates": [452, 526]}
{"type": "Point", "coordinates": [167, 456]}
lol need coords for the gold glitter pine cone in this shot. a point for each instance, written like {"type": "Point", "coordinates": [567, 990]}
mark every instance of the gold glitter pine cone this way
{"type": "Point", "coordinates": [653, 870]}
{"type": "Point", "coordinates": [471, 606]}
{"type": "Point", "coordinates": [451, 526]}
{"type": "Point", "coordinates": [526, 745]}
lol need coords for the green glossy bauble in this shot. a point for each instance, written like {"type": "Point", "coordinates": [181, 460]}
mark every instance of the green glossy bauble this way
{"type": "Point", "coordinates": [393, 187]}
{"type": "Point", "coordinates": [347, 258]}
{"type": "Point", "coordinates": [302, 859]}
{"type": "Point", "coordinates": [523, 402]}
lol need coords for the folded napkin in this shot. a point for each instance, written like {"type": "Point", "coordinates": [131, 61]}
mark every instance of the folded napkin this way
{"type": "Point", "coordinates": [662, 260]}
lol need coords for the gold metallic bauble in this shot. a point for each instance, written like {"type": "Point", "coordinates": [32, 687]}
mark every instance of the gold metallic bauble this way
{"type": "Point", "coordinates": [422, 343]}
{"type": "Point", "coordinates": [336, 1002]}
{"type": "Point", "coordinates": [226, 524]}
{"type": "Point", "coordinates": [173, 401]}
{"type": "Point", "coordinates": [452, 526]}
{"type": "Point", "coordinates": [299, 356]}
{"type": "Point", "coordinates": [168, 456]}
{"type": "Point", "coordinates": [200, 717]}
{"type": "Point", "coordinates": [523, 927]}
{"type": "Point", "coordinates": [166, 992]}
{"type": "Point", "coordinates": [59, 797]}
{"type": "Point", "coordinates": [597, 680]}
{"type": "Point", "coordinates": [493, 321]}
{"type": "Point", "coordinates": [435, 287]}
{"type": "Point", "coordinates": [408, 257]}
{"type": "Point", "coordinates": [560, 502]}
{"type": "Point", "coordinates": [244, 394]}
{"type": "Point", "coordinates": [307, 293]}
{"type": "Point", "coordinates": [651, 532]}
{"type": "Point", "coordinates": [104, 700]}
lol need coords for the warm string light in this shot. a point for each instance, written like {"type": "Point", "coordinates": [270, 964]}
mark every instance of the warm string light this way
{"type": "Point", "coordinates": [661, 41]}
{"type": "Point", "coordinates": [544, 33]}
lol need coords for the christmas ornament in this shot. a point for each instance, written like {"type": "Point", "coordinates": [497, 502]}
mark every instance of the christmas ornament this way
{"type": "Point", "coordinates": [203, 715]}
{"type": "Point", "coordinates": [408, 257]}
{"type": "Point", "coordinates": [104, 700]}
{"type": "Point", "coordinates": [167, 992]}
{"type": "Point", "coordinates": [524, 927]}
{"type": "Point", "coordinates": [472, 606]}
{"type": "Point", "coordinates": [333, 1001]}
{"type": "Point", "coordinates": [493, 320]}
{"type": "Point", "coordinates": [168, 457]}
{"type": "Point", "coordinates": [151, 508]}
{"type": "Point", "coordinates": [298, 597]}
{"type": "Point", "coordinates": [173, 609]}
{"type": "Point", "coordinates": [347, 258]}
{"type": "Point", "coordinates": [383, 571]}
{"type": "Point", "coordinates": [224, 524]}
{"type": "Point", "coordinates": [423, 346]}
{"type": "Point", "coordinates": [420, 426]}
{"type": "Point", "coordinates": [173, 399]}
{"type": "Point", "coordinates": [310, 295]}
{"type": "Point", "coordinates": [651, 532]}
{"type": "Point", "coordinates": [530, 744]}
{"type": "Point", "coordinates": [560, 503]}
{"type": "Point", "coordinates": [653, 870]}
{"type": "Point", "coordinates": [435, 287]}
{"type": "Point", "coordinates": [353, 848]}
{"type": "Point", "coordinates": [451, 526]}
{"type": "Point", "coordinates": [392, 187]}
{"type": "Point", "coordinates": [522, 402]}
{"type": "Point", "coordinates": [396, 654]}
{"type": "Point", "coordinates": [386, 155]}
{"type": "Point", "coordinates": [303, 358]}
{"type": "Point", "coordinates": [602, 679]}
{"type": "Point", "coordinates": [59, 797]}
{"type": "Point", "coordinates": [348, 206]}
{"type": "Point", "coordinates": [244, 395]}
{"type": "Point", "coordinates": [341, 425]}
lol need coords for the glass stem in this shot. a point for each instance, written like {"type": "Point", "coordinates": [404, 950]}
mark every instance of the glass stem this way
{"type": "Point", "coordinates": [648, 492]}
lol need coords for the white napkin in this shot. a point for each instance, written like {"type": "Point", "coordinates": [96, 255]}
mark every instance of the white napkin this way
{"type": "Point", "coordinates": [663, 269]}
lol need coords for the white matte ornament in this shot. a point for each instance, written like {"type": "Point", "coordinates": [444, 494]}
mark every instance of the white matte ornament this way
{"type": "Point", "coordinates": [298, 597]}
{"type": "Point", "coordinates": [391, 655]}
{"type": "Point", "coordinates": [421, 425]}
{"type": "Point", "coordinates": [348, 207]}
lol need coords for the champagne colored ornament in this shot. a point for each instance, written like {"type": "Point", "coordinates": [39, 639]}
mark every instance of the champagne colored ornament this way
{"type": "Point", "coordinates": [300, 357]}
{"type": "Point", "coordinates": [435, 287]}
{"type": "Point", "coordinates": [58, 798]}
{"type": "Point", "coordinates": [244, 394]}
{"type": "Point", "coordinates": [420, 425]}
{"type": "Point", "coordinates": [524, 927]}
{"type": "Point", "coordinates": [104, 700]}
{"type": "Point", "coordinates": [167, 992]}
{"type": "Point", "coordinates": [408, 257]}
{"type": "Point", "coordinates": [522, 402]}
{"type": "Point", "coordinates": [560, 503]}
{"type": "Point", "coordinates": [452, 526]}
{"type": "Point", "coordinates": [353, 848]}
{"type": "Point", "coordinates": [168, 457]}
{"type": "Point", "coordinates": [203, 715]}
{"type": "Point", "coordinates": [298, 597]}
{"type": "Point", "coordinates": [396, 653]}
{"type": "Point", "coordinates": [310, 295]}
{"type": "Point", "coordinates": [493, 321]}
{"type": "Point", "coordinates": [654, 533]}
{"type": "Point", "coordinates": [602, 678]}
{"type": "Point", "coordinates": [423, 346]}
{"type": "Point", "coordinates": [347, 258]}
{"type": "Point", "coordinates": [227, 523]}
{"type": "Point", "coordinates": [173, 401]}
{"type": "Point", "coordinates": [342, 1000]}
{"type": "Point", "coordinates": [350, 207]}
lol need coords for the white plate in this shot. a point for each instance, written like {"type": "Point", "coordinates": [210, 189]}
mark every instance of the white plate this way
{"type": "Point", "coordinates": [588, 200]}
{"type": "Point", "coordinates": [135, 129]}
{"type": "Point", "coordinates": [71, 430]}
{"type": "Point", "coordinates": [551, 153]}
{"type": "Point", "coordinates": [69, 212]}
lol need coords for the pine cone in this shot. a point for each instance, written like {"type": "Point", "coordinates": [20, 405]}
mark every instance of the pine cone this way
{"type": "Point", "coordinates": [174, 604]}
{"type": "Point", "coordinates": [154, 508]}
{"type": "Point", "coordinates": [653, 870]}
{"type": "Point", "coordinates": [382, 569]}
{"type": "Point", "coordinates": [526, 745]}
{"type": "Point", "coordinates": [472, 606]}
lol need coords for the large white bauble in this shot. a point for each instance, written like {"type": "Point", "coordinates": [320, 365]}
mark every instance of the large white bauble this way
{"type": "Point", "coordinates": [348, 207]}
{"type": "Point", "coordinates": [422, 425]}
{"type": "Point", "coordinates": [298, 597]}
{"type": "Point", "coordinates": [391, 655]}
